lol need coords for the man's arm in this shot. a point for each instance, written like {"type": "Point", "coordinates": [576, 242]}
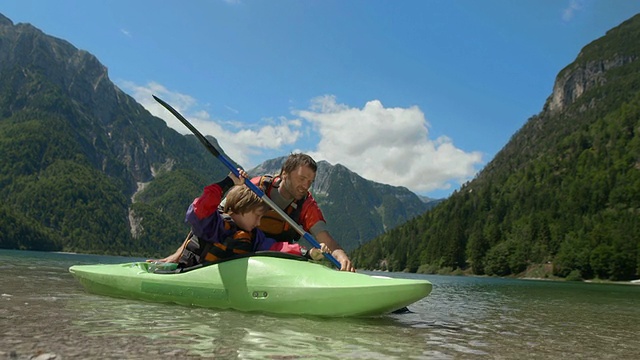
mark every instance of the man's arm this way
{"type": "Point", "coordinates": [312, 220]}
{"type": "Point", "coordinates": [336, 250]}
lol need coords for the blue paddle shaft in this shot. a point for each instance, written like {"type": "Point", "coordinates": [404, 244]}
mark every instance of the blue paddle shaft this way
{"type": "Point", "coordinates": [247, 182]}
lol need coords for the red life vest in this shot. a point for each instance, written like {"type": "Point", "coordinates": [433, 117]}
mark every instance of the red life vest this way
{"type": "Point", "coordinates": [272, 224]}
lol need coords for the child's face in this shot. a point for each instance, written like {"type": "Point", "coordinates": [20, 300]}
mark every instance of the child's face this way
{"type": "Point", "coordinates": [249, 220]}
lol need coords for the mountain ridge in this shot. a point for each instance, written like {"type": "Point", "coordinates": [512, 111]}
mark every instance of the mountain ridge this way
{"type": "Point", "coordinates": [87, 168]}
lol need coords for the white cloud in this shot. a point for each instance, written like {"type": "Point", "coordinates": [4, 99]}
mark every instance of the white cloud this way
{"type": "Point", "coordinates": [388, 145]}
{"type": "Point", "coordinates": [238, 140]}
{"type": "Point", "coordinates": [569, 12]}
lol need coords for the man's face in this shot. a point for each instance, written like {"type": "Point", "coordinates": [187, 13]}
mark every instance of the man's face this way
{"type": "Point", "coordinates": [297, 183]}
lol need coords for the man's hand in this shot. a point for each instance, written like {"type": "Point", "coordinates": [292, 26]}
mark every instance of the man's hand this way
{"type": "Point", "coordinates": [344, 261]}
{"type": "Point", "coordinates": [338, 253]}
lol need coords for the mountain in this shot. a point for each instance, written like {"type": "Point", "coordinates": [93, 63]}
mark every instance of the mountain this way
{"type": "Point", "coordinates": [428, 200]}
{"type": "Point", "coordinates": [87, 169]}
{"type": "Point", "coordinates": [76, 151]}
{"type": "Point", "coordinates": [564, 191]}
{"type": "Point", "coordinates": [356, 209]}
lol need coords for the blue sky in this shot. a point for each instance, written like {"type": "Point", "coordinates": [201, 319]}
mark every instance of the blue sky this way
{"type": "Point", "coordinates": [414, 93]}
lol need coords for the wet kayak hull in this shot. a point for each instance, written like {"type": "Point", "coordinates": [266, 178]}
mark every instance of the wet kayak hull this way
{"type": "Point", "coordinates": [270, 284]}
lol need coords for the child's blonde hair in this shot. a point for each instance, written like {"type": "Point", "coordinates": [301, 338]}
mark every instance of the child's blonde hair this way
{"type": "Point", "coordinates": [241, 200]}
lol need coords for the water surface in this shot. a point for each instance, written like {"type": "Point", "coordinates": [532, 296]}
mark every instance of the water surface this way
{"type": "Point", "coordinates": [44, 310]}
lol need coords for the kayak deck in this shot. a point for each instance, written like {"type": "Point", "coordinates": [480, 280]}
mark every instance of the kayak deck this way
{"type": "Point", "coordinates": [271, 284]}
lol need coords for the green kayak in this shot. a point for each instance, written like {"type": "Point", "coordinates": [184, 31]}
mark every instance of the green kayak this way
{"type": "Point", "coordinates": [264, 282]}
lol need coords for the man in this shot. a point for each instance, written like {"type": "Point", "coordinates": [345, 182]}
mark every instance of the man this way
{"type": "Point", "coordinates": [290, 192]}
{"type": "Point", "coordinates": [219, 232]}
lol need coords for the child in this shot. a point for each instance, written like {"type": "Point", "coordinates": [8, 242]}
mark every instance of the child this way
{"type": "Point", "coordinates": [219, 234]}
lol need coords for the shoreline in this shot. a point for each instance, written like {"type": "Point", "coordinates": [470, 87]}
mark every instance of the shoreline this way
{"type": "Point", "coordinates": [537, 272]}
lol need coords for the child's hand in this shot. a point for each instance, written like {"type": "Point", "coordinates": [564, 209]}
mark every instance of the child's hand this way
{"type": "Point", "coordinates": [316, 254]}
{"type": "Point", "coordinates": [239, 180]}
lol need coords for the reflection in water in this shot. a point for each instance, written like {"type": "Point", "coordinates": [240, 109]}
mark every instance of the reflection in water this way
{"type": "Point", "coordinates": [205, 332]}
{"type": "Point", "coordinates": [43, 309]}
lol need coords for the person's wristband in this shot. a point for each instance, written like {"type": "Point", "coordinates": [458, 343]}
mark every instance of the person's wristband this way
{"type": "Point", "coordinates": [226, 184]}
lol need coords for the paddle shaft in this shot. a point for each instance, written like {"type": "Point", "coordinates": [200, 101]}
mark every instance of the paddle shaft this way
{"type": "Point", "coordinates": [247, 182]}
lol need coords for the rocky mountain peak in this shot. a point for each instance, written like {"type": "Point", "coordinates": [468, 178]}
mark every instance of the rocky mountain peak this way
{"type": "Point", "coordinates": [75, 71]}
{"type": "Point", "coordinates": [103, 115]}
{"type": "Point", "coordinates": [5, 21]}
{"type": "Point", "coordinates": [593, 63]}
{"type": "Point", "coordinates": [571, 84]}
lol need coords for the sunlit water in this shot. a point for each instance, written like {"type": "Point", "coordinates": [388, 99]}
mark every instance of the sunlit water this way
{"type": "Point", "coordinates": [43, 310]}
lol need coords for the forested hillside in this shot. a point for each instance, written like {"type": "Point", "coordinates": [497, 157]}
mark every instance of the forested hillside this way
{"type": "Point", "coordinates": [564, 191]}
{"type": "Point", "coordinates": [75, 149]}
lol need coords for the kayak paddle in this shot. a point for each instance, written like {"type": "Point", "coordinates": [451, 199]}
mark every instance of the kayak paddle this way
{"type": "Point", "coordinates": [247, 182]}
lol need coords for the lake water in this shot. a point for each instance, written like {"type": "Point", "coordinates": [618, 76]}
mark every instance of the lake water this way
{"type": "Point", "coordinates": [44, 311]}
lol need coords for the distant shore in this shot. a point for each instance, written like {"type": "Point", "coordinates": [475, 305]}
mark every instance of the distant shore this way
{"type": "Point", "coordinates": [539, 272]}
